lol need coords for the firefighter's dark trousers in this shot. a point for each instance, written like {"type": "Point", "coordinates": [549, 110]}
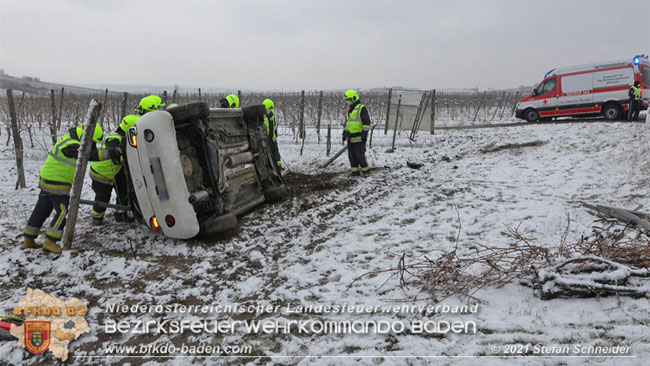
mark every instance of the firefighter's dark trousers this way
{"type": "Point", "coordinates": [357, 156]}
{"type": "Point", "coordinates": [633, 113]}
{"type": "Point", "coordinates": [103, 193]}
{"type": "Point", "coordinates": [276, 153]}
{"type": "Point", "coordinates": [44, 206]}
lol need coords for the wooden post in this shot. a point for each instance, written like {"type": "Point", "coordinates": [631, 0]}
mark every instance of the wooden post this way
{"type": "Point", "coordinates": [199, 94]}
{"type": "Point", "coordinates": [58, 123]}
{"type": "Point", "coordinates": [20, 115]}
{"type": "Point", "coordinates": [102, 111]}
{"type": "Point", "coordinates": [82, 163]}
{"type": "Point", "coordinates": [175, 96]}
{"type": "Point", "coordinates": [301, 128]}
{"type": "Point", "coordinates": [18, 142]}
{"type": "Point", "coordinates": [164, 97]}
{"type": "Point", "coordinates": [390, 95]}
{"type": "Point", "coordinates": [479, 106]}
{"type": "Point", "coordinates": [53, 124]}
{"type": "Point", "coordinates": [329, 139]}
{"type": "Point", "coordinates": [240, 97]}
{"type": "Point", "coordinates": [320, 114]}
{"type": "Point", "coordinates": [125, 98]}
{"type": "Point", "coordinates": [336, 156]}
{"type": "Point", "coordinates": [399, 104]}
{"type": "Point", "coordinates": [433, 111]}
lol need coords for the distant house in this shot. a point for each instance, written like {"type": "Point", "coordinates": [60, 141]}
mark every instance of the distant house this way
{"type": "Point", "coordinates": [2, 73]}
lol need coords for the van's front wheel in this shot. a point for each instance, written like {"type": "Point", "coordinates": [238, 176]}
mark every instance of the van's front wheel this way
{"type": "Point", "coordinates": [611, 111]}
{"type": "Point", "coordinates": [531, 115]}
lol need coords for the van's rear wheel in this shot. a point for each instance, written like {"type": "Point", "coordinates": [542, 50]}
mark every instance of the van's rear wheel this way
{"type": "Point", "coordinates": [531, 115]}
{"type": "Point", "coordinates": [611, 111]}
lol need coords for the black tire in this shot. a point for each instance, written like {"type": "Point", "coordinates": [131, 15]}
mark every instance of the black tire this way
{"type": "Point", "coordinates": [218, 224]}
{"type": "Point", "coordinates": [254, 111]}
{"type": "Point", "coordinates": [531, 115]}
{"type": "Point", "coordinates": [611, 111]}
{"type": "Point", "coordinates": [276, 194]}
{"type": "Point", "coordinates": [189, 112]}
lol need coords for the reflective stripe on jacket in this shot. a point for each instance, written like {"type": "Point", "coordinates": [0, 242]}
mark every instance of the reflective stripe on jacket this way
{"type": "Point", "coordinates": [271, 117]}
{"type": "Point", "coordinates": [106, 170]}
{"type": "Point", "coordinates": [58, 167]}
{"type": "Point", "coordinates": [637, 93]}
{"type": "Point", "coordinates": [354, 124]}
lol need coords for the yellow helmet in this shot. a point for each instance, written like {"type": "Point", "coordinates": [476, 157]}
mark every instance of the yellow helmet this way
{"type": "Point", "coordinates": [233, 101]}
{"type": "Point", "coordinates": [269, 104]}
{"type": "Point", "coordinates": [97, 136]}
{"type": "Point", "coordinates": [351, 95]}
{"type": "Point", "coordinates": [148, 104]}
{"type": "Point", "coordinates": [129, 121]}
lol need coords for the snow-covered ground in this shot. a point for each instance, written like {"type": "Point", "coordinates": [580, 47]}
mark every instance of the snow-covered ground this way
{"type": "Point", "coordinates": [310, 248]}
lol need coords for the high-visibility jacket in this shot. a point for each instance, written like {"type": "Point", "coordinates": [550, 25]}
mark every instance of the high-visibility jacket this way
{"type": "Point", "coordinates": [271, 126]}
{"type": "Point", "coordinates": [106, 170]}
{"type": "Point", "coordinates": [636, 93]}
{"type": "Point", "coordinates": [57, 174]}
{"type": "Point", "coordinates": [58, 167]}
{"type": "Point", "coordinates": [354, 124]}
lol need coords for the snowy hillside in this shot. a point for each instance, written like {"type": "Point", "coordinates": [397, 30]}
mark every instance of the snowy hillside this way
{"type": "Point", "coordinates": [310, 248]}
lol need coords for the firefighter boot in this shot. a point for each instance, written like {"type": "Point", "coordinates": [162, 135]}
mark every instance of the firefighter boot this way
{"type": "Point", "coordinates": [30, 243]}
{"type": "Point", "coordinates": [51, 246]}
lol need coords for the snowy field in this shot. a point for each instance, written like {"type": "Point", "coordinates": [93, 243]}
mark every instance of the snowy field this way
{"type": "Point", "coordinates": [310, 248]}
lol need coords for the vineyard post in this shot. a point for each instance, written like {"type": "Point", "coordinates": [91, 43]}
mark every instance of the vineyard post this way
{"type": "Point", "coordinates": [58, 124]}
{"type": "Point", "coordinates": [329, 139]}
{"type": "Point", "coordinates": [80, 171]}
{"type": "Point", "coordinates": [479, 106]}
{"type": "Point", "coordinates": [433, 111]}
{"type": "Point", "coordinates": [390, 95]}
{"type": "Point", "coordinates": [301, 127]}
{"type": "Point", "coordinates": [399, 103]}
{"type": "Point", "coordinates": [102, 111]}
{"type": "Point", "coordinates": [53, 124]}
{"type": "Point", "coordinates": [175, 95]}
{"type": "Point", "coordinates": [320, 114]}
{"type": "Point", "coordinates": [18, 142]}
{"type": "Point", "coordinates": [164, 97]}
{"type": "Point", "coordinates": [199, 94]}
{"type": "Point", "coordinates": [125, 97]}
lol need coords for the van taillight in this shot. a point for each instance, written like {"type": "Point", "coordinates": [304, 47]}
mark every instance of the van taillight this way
{"type": "Point", "coordinates": [170, 220]}
{"type": "Point", "coordinates": [133, 137]}
{"type": "Point", "coordinates": [155, 225]}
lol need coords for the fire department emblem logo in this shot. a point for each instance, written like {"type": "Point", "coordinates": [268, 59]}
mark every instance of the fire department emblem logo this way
{"type": "Point", "coordinates": [37, 336]}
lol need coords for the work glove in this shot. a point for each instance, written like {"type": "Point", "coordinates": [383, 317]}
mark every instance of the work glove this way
{"type": "Point", "coordinates": [115, 154]}
{"type": "Point", "coordinates": [364, 136]}
{"type": "Point", "coordinates": [345, 135]}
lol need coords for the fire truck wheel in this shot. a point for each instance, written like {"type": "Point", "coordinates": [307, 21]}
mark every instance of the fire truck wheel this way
{"type": "Point", "coordinates": [611, 111]}
{"type": "Point", "coordinates": [531, 115]}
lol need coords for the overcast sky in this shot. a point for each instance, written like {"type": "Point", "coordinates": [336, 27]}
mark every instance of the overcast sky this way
{"type": "Point", "coordinates": [315, 44]}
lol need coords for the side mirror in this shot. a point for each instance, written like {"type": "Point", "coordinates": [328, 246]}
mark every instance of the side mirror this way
{"type": "Point", "coordinates": [535, 91]}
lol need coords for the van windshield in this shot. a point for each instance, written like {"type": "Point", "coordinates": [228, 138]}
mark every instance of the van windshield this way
{"type": "Point", "coordinates": [645, 75]}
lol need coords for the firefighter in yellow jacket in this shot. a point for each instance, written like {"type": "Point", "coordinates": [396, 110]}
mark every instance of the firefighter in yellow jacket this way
{"type": "Point", "coordinates": [56, 178]}
{"type": "Point", "coordinates": [108, 174]}
{"type": "Point", "coordinates": [357, 126]}
{"type": "Point", "coordinates": [272, 130]}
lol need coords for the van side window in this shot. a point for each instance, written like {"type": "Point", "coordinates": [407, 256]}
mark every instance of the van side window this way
{"type": "Point", "coordinates": [549, 86]}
